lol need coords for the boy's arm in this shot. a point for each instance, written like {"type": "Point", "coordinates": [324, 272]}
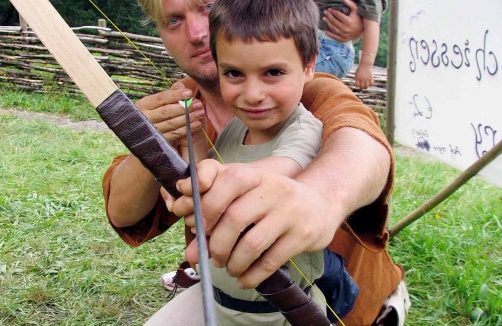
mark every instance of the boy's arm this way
{"type": "Point", "coordinates": [278, 164]}
{"type": "Point", "coordinates": [289, 216]}
{"type": "Point", "coordinates": [371, 36]}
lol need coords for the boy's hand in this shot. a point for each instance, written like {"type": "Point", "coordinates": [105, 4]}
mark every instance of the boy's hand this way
{"type": "Point", "coordinates": [364, 76]}
{"type": "Point", "coordinates": [168, 116]}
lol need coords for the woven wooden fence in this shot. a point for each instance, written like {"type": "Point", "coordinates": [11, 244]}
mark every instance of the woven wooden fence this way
{"type": "Point", "coordinates": [26, 64]}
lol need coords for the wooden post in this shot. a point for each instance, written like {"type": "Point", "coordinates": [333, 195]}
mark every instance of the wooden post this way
{"type": "Point", "coordinates": [391, 72]}
{"type": "Point", "coordinates": [102, 22]}
{"type": "Point", "coordinates": [391, 81]}
{"type": "Point", "coordinates": [23, 24]}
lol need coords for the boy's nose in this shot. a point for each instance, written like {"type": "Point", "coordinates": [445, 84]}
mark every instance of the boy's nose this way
{"type": "Point", "coordinates": [254, 93]}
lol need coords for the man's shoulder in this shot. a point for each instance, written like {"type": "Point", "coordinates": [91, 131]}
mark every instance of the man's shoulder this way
{"type": "Point", "coordinates": [320, 89]}
{"type": "Point", "coordinates": [322, 79]}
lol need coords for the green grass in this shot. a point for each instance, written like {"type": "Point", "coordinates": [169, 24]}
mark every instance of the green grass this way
{"type": "Point", "coordinates": [62, 264]}
{"type": "Point", "coordinates": [453, 255]}
{"type": "Point", "coordinates": [60, 261]}
{"type": "Point", "coordinates": [75, 107]}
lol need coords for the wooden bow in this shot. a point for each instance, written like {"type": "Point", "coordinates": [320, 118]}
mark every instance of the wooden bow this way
{"type": "Point", "coordinates": [144, 141]}
{"type": "Point", "coordinates": [117, 111]}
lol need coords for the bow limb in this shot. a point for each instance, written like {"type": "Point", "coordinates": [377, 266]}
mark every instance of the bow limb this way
{"type": "Point", "coordinates": [116, 110]}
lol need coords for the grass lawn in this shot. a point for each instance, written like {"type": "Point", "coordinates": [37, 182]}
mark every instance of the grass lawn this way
{"type": "Point", "coordinates": [62, 264]}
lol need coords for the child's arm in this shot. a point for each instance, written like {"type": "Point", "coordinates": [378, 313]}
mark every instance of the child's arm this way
{"type": "Point", "coordinates": [371, 36]}
{"type": "Point", "coordinates": [278, 164]}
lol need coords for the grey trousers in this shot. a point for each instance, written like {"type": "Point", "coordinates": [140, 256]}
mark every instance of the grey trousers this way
{"type": "Point", "coordinates": [184, 310]}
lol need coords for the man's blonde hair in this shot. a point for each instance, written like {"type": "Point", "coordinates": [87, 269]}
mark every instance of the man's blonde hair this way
{"type": "Point", "coordinates": [154, 9]}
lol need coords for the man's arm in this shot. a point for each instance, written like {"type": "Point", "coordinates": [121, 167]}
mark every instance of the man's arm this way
{"type": "Point", "coordinates": [290, 216]}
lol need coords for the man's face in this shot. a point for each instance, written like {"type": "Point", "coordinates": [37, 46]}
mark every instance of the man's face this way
{"type": "Point", "coordinates": [185, 33]}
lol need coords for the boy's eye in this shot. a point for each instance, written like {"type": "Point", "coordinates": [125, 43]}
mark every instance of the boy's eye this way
{"type": "Point", "coordinates": [208, 6]}
{"type": "Point", "coordinates": [274, 73]}
{"type": "Point", "coordinates": [233, 74]}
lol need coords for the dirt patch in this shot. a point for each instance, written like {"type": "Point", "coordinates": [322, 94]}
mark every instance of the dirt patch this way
{"type": "Point", "coordinates": [59, 120]}
{"type": "Point", "coordinates": [101, 126]}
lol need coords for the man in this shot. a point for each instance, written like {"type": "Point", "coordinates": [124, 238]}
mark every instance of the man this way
{"type": "Point", "coordinates": [352, 175]}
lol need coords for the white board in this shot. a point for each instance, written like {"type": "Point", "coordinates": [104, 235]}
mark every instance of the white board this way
{"type": "Point", "coordinates": [449, 80]}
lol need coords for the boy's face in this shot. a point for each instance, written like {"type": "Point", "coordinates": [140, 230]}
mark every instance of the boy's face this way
{"type": "Point", "coordinates": [262, 82]}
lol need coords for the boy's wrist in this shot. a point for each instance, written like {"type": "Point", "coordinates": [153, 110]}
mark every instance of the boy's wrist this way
{"type": "Point", "coordinates": [367, 60]}
{"type": "Point", "coordinates": [366, 64]}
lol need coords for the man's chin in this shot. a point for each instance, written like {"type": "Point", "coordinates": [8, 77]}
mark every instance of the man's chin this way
{"type": "Point", "coordinates": [204, 77]}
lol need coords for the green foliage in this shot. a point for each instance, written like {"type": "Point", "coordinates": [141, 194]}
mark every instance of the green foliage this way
{"type": "Point", "coordinates": [126, 14]}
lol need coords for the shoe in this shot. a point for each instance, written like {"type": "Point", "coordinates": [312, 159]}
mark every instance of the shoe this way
{"type": "Point", "coordinates": [181, 279]}
{"type": "Point", "coordinates": [396, 307]}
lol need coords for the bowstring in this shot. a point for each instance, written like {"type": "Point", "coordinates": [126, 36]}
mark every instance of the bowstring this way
{"type": "Point", "coordinates": [128, 39]}
{"type": "Point", "coordinates": [316, 291]}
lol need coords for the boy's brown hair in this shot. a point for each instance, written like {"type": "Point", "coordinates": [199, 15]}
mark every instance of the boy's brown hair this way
{"type": "Point", "coordinates": [266, 21]}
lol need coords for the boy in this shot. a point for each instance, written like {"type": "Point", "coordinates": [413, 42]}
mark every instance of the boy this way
{"type": "Point", "coordinates": [265, 54]}
{"type": "Point", "coordinates": [337, 58]}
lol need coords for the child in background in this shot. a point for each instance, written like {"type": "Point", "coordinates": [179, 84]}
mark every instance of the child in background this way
{"type": "Point", "coordinates": [337, 58]}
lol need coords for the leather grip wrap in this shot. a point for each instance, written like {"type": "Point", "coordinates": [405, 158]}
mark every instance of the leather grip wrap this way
{"type": "Point", "coordinates": [144, 141]}
{"type": "Point", "coordinates": [291, 301]}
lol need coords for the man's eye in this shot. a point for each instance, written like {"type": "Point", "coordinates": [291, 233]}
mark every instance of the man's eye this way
{"type": "Point", "coordinates": [209, 6]}
{"type": "Point", "coordinates": [233, 74]}
{"type": "Point", "coordinates": [274, 73]}
{"type": "Point", "coordinates": [173, 21]}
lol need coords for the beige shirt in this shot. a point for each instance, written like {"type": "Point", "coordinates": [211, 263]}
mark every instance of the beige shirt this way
{"type": "Point", "coordinates": [300, 140]}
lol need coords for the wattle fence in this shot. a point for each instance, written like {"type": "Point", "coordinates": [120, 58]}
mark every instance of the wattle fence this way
{"type": "Point", "coordinates": [26, 64]}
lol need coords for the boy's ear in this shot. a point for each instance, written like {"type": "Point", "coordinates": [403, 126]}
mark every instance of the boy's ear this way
{"type": "Point", "coordinates": [310, 69]}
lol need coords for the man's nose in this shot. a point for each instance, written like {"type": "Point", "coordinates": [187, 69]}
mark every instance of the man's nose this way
{"type": "Point", "coordinates": [197, 28]}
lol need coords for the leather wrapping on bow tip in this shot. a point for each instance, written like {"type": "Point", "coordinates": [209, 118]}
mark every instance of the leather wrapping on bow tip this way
{"type": "Point", "coordinates": [296, 306]}
{"type": "Point", "coordinates": [144, 141]}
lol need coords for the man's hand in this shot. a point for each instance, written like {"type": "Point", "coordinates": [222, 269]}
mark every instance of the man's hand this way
{"type": "Point", "coordinates": [344, 28]}
{"type": "Point", "coordinates": [287, 218]}
{"type": "Point", "coordinates": [168, 116]}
